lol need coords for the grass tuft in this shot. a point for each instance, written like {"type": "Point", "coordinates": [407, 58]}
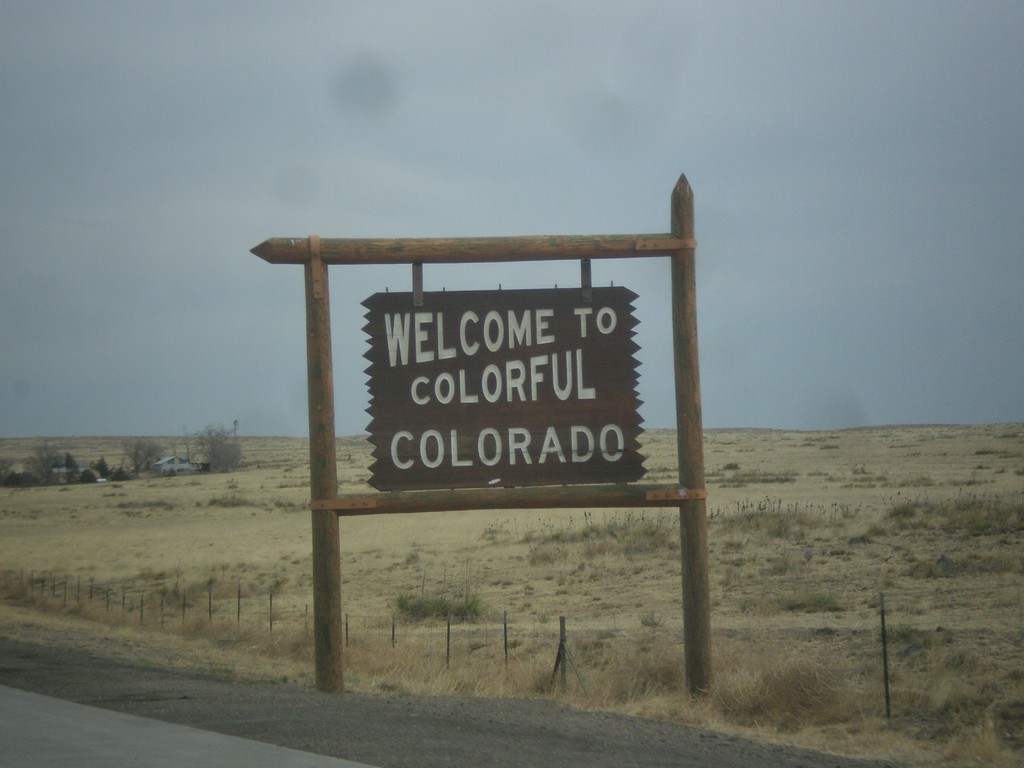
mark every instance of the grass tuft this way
{"type": "Point", "coordinates": [464, 607]}
{"type": "Point", "coordinates": [786, 694]}
{"type": "Point", "coordinates": [228, 501]}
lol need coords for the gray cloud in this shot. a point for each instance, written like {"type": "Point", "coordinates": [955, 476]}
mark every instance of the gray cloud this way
{"type": "Point", "coordinates": [856, 170]}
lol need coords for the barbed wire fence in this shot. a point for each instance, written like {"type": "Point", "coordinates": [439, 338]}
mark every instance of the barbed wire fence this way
{"type": "Point", "coordinates": [953, 628]}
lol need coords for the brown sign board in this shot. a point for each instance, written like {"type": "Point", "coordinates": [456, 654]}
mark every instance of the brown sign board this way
{"type": "Point", "coordinates": [503, 388]}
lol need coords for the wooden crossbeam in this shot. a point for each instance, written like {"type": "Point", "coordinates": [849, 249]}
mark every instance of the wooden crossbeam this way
{"type": "Point", "coordinates": [464, 250]}
{"type": "Point", "coordinates": [542, 497]}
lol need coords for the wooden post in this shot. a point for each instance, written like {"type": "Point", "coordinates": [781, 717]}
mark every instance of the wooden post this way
{"type": "Point", "coordinates": [323, 476]}
{"type": "Point", "coordinates": [693, 521]}
{"type": "Point", "coordinates": [885, 656]}
{"type": "Point", "coordinates": [563, 650]}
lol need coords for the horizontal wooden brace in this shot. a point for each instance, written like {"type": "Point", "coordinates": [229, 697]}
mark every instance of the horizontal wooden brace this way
{"type": "Point", "coordinates": [543, 497]}
{"type": "Point", "coordinates": [295, 250]}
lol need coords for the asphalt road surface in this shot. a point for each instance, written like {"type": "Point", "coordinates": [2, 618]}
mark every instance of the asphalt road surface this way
{"type": "Point", "coordinates": [389, 731]}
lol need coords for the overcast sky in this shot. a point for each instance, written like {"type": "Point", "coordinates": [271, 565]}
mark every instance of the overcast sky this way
{"type": "Point", "coordinates": [857, 169]}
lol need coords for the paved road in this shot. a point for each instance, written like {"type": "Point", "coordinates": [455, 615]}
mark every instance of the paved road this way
{"type": "Point", "coordinates": [38, 730]}
{"type": "Point", "coordinates": [388, 731]}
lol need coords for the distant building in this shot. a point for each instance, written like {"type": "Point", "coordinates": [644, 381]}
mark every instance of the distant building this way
{"type": "Point", "coordinates": [60, 471]}
{"type": "Point", "coordinates": [172, 465]}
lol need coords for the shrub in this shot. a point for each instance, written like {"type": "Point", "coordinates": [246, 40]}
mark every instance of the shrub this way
{"type": "Point", "coordinates": [646, 672]}
{"type": "Point", "coordinates": [903, 511]}
{"type": "Point", "coordinates": [629, 534]}
{"type": "Point", "coordinates": [788, 694]}
{"type": "Point", "coordinates": [467, 606]}
{"type": "Point", "coordinates": [976, 515]}
{"type": "Point", "coordinates": [228, 500]}
{"type": "Point", "coordinates": [19, 479]}
{"type": "Point", "coordinates": [811, 602]}
{"type": "Point", "coordinates": [743, 479]}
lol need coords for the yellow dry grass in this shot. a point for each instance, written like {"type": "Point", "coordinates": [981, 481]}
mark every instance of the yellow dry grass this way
{"type": "Point", "coordinates": [807, 530]}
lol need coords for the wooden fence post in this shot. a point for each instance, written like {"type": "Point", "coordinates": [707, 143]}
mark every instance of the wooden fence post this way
{"type": "Point", "coordinates": [693, 521]}
{"type": "Point", "coordinates": [885, 656]}
{"type": "Point", "coordinates": [563, 650]}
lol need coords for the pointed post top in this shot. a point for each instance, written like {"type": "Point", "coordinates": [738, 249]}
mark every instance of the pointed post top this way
{"type": "Point", "coordinates": [682, 209]}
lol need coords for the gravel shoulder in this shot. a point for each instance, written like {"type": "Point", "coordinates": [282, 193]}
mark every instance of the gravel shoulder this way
{"type": "Point", "coordinates": [387, 731]}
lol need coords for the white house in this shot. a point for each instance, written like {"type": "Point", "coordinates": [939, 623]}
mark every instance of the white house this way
{"type": "Point", "coordinates": [172, 465]}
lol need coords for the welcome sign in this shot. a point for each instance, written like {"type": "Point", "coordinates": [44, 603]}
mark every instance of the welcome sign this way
{"type": "Point", "coordinates": [503, 388]}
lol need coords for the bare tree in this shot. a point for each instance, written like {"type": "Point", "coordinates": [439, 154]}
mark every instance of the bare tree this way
{"type": "Point", "coordinates": [140, 453]}
{"type": "Point", "coordinates": [217, 447]}
{"type": "Point", "coordinates": [43, 461]}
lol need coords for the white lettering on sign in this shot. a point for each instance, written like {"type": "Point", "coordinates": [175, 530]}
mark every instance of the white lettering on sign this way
{"type": "Point", "coordinates": [606, 319]}
{"type": "Point", "coordinates": [423, 333]}
{"type": "Point", "coordinates": [524, 381]}
{"type": "Point", "coordinates": [433, 449]}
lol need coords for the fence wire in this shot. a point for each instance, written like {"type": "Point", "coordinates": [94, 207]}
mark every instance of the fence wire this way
{"type": "Point", "coordinates": [941, 628]}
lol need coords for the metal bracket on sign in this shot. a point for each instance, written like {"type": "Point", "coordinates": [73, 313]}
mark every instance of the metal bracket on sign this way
{"type": "Point", "coordinates": [677, 494]}
{"type": "Point", "coordinates": [417, 284]}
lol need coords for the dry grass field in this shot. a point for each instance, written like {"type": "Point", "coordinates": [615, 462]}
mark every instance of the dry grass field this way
{"type": "Point", "coordinates": [807, 531]}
